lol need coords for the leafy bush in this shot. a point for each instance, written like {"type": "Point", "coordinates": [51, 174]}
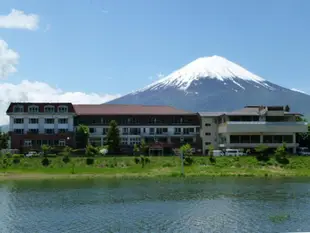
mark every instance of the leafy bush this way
{"type": "Point", "coordinates": [91, 151]}
{"type": "Point", "coordinates": [281, 154]}
{"type": "Point", "coordinates": [137, 160]}
{"type": "Point", "coordinates": [90, 161]}
{"type": "Point", "coordinates": [262, 155]}
{"type": "Point", "coordinates": [5, 163]}
{"type": "Point", "coordinates": [147, 160]}
{"type": "Point", "coordinates": [16, 158]}
{"type": "Point", "coordinates": [66, 159]}
{"type": "Point", "coordinates": [45, 162]}
{"type": "Point", "coordinates": [212, 159]}
{"type": "Point", "coordinates": [188, 161]}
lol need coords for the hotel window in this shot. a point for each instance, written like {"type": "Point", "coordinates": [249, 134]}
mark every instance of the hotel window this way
{"type": "Point", "coordinates": [62, 130]}
{"type": "Point", "coordinates": [27, 143]}
{"type": "Point", "coordinates": [49, 131]}
{"type": "Point", "coordinates": [34, 131]}
{"type": "Point", "coordinates": [62, 109]}
{"type": "Point", "coordinates": [49, 120]}
{"type": "Point", "coordinates": [18, 121]}
{"type": "Point", "coordinates": [105, 131]}
{"type": "Point", "coordinates": [208, 125]}
{"type": "Point", "coordinates": [62, 142]}
{"type": "Point", "coordinates": [207, 134]}
{"type": "Point", "coordinates": [33, 109]}
{"type": "Point", "coordinates": [49, 108]}
{"type": "Point", "coordinates": [177, 130]}
{"type": "Point", "coordinates": [18, 108]}
{"type": "Point", "coordinates": [133, 141]}
{"type": "Point", "coordinates": [92, 130]}
{"type": "Point", "coordinates": [33, 121]}
{"type": "Point", "coordinates": [124, 141]}
{"type": "Point", "coordinates": [63, 121]}
{"type": "Point", "coordinates": [19, 131]}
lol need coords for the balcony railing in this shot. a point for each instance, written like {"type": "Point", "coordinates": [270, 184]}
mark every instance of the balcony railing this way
{"type": "Point", "coordinates": [264, 123]}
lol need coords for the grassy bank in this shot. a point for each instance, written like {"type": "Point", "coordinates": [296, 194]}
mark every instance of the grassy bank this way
{"type": "Point", "coordinates": [157, 167]}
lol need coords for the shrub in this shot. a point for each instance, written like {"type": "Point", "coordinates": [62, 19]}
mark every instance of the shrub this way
{"type": "Point", "coordinates": [281, 155]}
{"type": "Point", "coordinates": [5, 163]}
{"type": "Point", "coordinates": [90, 161]}
{"type": "Point", "coordinates": [45, 162]}
{"type": "Point", "coordinates": [91, 151]}
{"type": "Point", "coordinates": [66, 159]}
{"type": "Point", "coordinates": [137, 160]}
{"type": "Point", "coordinates": [16, 158]}
{"type": "Point", "coordinates": [262, 151]}
{"type": "Point", "coordinates": [147, 160]}
{"type": "Point", "coordinates": [212, 159]}
{"type": "Point", "coordinates": [188, 161]}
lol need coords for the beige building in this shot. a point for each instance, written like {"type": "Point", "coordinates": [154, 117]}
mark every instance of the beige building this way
{"type": "Point", "coordinates": [251, 126]}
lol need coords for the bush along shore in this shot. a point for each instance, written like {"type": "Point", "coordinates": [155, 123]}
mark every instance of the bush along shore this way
{"type": "Point", "coordinates": [95, 163]}
{"type": "Point", "coordinates": [18, 167]}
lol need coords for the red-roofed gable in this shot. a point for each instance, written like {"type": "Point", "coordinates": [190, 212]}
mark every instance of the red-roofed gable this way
{"type": "Point", "coordinates": [40, 105]}
{"type": "Point", "coordinates": [123, 109]}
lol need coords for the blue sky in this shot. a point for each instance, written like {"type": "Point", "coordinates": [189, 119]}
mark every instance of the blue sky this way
{"type": "Point", "coordinates": [114, 47]}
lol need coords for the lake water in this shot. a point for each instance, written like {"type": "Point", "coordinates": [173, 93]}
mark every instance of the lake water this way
{"type": "Point", "coordinates": [169, 205]}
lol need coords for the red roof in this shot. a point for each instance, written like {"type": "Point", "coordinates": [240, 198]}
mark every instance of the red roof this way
{"type": "Point", "coordinates": [125, 109]}
{"type": "Point", "coordinates": [40, 105]}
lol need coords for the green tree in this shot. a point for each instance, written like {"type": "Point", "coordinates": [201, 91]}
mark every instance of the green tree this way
{"type": "Point", "coordinates": [210, 150]}
{"type": "Point", "coordinates": [113, 138]}
{"type": "Point", "coordinates": [4, 140]}
{"type": "Point", "coordinates": [281, 154]}
{"type": "Point", "coordinates": [287, 108]}
{"type": "Point", "coordinates": [45, 149]}
{"type": "Point", "coordinates": [82, 136]}
{"type": "Point", "coordinates": [262, 151]}
{"type": "Point", "coordinates": [136, 149]}
{"type": "Point", "coordinates": [187, 154]}
{"type": "Point", "coordinates": [143, 147]}
{"type": "Point", "coordinates": [91, 151]}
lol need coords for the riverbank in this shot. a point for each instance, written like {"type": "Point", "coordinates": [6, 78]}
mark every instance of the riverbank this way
{"type": "Point", "coordinates": [123, 167]}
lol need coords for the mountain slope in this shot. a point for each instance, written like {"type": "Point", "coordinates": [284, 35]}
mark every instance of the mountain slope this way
{"type": "Point", "coordinates": [215, 84]}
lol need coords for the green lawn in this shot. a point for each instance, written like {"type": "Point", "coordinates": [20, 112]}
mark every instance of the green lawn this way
{"type": "Point", "coordinates": [158, 167]}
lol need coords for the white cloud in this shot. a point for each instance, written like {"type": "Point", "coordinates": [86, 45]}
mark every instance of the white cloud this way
{"type": "Point", "coordinates": [19, 20]}
{"type": "Point", "coordinates": [294, 89]}
{"type": "Point", "coordinates": [42, 92]}
{"type": "Point", "coordinates": [8, 60]}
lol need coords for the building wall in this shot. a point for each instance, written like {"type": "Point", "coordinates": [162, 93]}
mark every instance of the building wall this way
{"type": "Point", "coordinates": [209, 133]}
{"type": "Point", "coordinates": [170, 139]}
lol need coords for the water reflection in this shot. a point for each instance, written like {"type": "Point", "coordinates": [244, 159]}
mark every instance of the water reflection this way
{"type": "Point", "coordinates": [170, 205]}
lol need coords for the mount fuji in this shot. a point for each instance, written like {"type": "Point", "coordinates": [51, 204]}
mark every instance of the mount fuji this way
{"type": "Point", "coordinates": [215, 84]}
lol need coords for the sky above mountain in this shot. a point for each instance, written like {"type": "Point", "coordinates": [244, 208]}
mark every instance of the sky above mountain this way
{"type": "Point", "coordinates": [95, 50]}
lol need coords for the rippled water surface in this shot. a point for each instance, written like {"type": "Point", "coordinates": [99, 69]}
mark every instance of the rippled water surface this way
{"type": "Point", "coordinates": [169, 205]}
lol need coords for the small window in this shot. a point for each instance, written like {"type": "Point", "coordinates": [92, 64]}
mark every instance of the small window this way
{"type": "Point", "coordinates": [33, 131]}
{"type": "Point", "coordinates": [27, 143]}
{"type": "Point", "coordinates": [207, 143]}
{"type": "Point", "coordinates": [18, 108]}
{"type": "Point", "coordinates": [63, 121]}
{"type": "Point", "coordinates": [33, 121]}
{"type": "Point", "coordinates": [49, 120]}
{"type": "Point", "coordinates": [62, 130]}
{"type": "Point", "coordinates": [18, 121]}
{"type": "Point", "coordinates": [62, 109]}
{"type": "Point", "coordinates": [92, 130]}
{"type": "Point", "coordinates": [49, 131]}
{"type": "Point", "coordinates": [62, 142]}
{"type": "Point", "coordinates": [19, 131]}
{"type": "Point", "coordinates": [207, 134]}
{"type": "Point", "coordinates": [33, 109]}
{"type": "Point", "coordinates": [49, 108]}
{"type": "Point", "coordinates": [208, 125]}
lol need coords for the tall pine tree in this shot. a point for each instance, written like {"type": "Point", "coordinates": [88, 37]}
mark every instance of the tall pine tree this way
{"type": "Point", "coordinates": [113, 138]}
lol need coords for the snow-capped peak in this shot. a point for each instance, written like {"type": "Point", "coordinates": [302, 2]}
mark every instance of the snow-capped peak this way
{"type": "Point", "coordinates": [300, 91]}
{"type": "Point", "coordinates": [214, 67]}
